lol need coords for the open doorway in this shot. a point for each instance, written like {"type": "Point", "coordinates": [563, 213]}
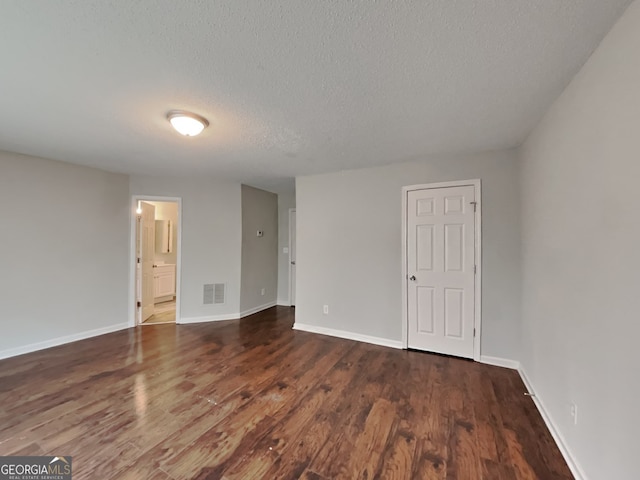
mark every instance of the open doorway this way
{"type": "Point", "coordinates": [292, 257]}
{"type": "Point", "coordinates": [156, 247]}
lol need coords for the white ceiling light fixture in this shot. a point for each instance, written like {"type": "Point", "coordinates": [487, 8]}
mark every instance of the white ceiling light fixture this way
{"type": "Point", "coordinates": [187, 123]}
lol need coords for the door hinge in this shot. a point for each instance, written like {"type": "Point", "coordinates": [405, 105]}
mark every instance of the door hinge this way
{"type": "Point", "coordinates": [138, 259]}
{"type": "Point", "coordinates": [475, 269]}
{"type": "Point", "coordinates": [474, 332]}
{"type": "Point", "coordinates": [475, 205]}
{"type": "Point", "coordinates": [139, 304]}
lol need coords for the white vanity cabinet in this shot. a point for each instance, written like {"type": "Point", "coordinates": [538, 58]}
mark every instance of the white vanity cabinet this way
{"type": "Point", "coordinates": [164, 282]}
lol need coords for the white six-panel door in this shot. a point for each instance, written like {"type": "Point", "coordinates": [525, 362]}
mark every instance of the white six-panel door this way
{"type": "Point", "coordinates": [441, 270]}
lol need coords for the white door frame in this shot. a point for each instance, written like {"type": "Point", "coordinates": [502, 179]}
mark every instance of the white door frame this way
{"type": "Point", "coordinates": [133, 317]}
{"type": "Point", "coordinates": [291, 286]}
{"type": "Point", "coordinates": [478, 245]}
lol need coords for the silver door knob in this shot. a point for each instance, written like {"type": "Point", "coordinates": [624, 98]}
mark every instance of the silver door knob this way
{"type": "Point", "coordinates": [412, 278]}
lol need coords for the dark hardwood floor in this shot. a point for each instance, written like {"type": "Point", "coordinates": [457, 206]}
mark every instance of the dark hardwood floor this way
{"type": "Point", "coordinates": [253, 399]}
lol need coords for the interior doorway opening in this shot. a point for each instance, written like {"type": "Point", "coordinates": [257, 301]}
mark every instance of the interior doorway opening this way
{"type": "Point", "coordinates": [156, 256]}
{"type": "Point", "coordinates": [292, 257]}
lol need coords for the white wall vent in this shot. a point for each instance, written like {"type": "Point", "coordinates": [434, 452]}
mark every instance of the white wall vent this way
{"type": "Point", "coordinates": [213, 293]}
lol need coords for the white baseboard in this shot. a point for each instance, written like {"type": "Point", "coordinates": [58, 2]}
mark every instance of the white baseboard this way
{"type": "Point", "coordinates": [358, 337]}
{"type": "Point", "coordinates": [54, 342]}
{"type": "Point", "coordinates": [500, 362]}
{"type": "Point", "coordinates": [555, 433]}
{"type": "Point", "coordinates": [209, 318]}
{"type": "Point", "coordinates": [251, 311]}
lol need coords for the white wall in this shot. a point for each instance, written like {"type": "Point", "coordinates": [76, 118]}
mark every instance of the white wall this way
{"type": "Point", "coordinates": [211, 239]}
{"type": "Point", "coordinates": [349, 246]}
{"type": "Point", "coordinates": [259, 254]}
{"type": "Point", "coordinates": [581, 257]}
{"type": "Point", "coordinates": [285, 202]}
{"type": "Point", "coordinates": [64, 251]}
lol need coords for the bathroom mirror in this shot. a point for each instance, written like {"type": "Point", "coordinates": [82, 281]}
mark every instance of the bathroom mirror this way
{"type": "Point", "coordinates": [164, 236]}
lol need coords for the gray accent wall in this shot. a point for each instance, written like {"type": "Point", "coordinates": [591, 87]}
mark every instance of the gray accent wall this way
{"type": "Point", "coordinates": [64, 238]}
{"type": "Point", "coordinates": [581, 258]}
{"type": "Point", "coordinates": [259, 253]}
{"type": "Point", "coordinates": [349, 246]}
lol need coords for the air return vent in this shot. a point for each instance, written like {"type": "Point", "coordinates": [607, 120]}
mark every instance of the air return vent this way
{"type": "Point", "coordinates": [213, 293]}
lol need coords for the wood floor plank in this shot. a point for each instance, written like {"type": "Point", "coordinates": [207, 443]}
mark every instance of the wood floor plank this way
{"type": "Point", "coordinates": [493, 448]}
{"type": "Point", "coordinates": [352, 413]}
{"type": "Point", "coordinates": [255, 399]}
{"type": "Point", "coordinates": [365, 460]}
{"type": "Point", "coordinates": [133, 474]}
{"type": "Point", "coordinates": [463, 454]}
{"type": "Point", "coordinates": [313, 393]}
{"type": "Point", "coordinates": [316, 431]}
{"type": "Point", "coordinates": [432, 428]}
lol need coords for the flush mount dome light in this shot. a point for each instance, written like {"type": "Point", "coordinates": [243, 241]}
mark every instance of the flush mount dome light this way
{"type": "Point", "coordinates": [187, 123]}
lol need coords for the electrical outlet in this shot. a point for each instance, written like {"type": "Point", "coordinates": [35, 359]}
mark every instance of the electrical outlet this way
{"type": "Point", "coordinates": [574, 413]}
{"type": "Point", "coordinates": [325, 309]}
{"type": "Point", "coordinates": [262, 291]}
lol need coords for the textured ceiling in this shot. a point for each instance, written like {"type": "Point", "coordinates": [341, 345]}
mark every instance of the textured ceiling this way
{"type": "Point", "coordinates": [290, 87]}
